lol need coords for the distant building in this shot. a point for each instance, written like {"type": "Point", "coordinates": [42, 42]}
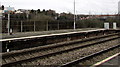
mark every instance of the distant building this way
{"type": "Point", "coordinates": [18, 12]}
{"type": "Point", "coordinates": [24, 10]}
{"type": "Point", "coordinates": [119, 7]}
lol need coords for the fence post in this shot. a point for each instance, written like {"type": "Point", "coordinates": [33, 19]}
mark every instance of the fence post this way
{"type": "Point", "coordinates": [21, 26]}
{"type": "Point", "coordinates": [34, 26]}
{"type": "Point", "coordinates": [58, 25]}
{"type": "Point", "coordinates": [47, 26]}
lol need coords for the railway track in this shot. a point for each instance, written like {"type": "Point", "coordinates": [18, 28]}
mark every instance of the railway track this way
{"type": "Point", "coordinates": [86, 61]}
{"type": "Point", "coordinates": [24, 56]}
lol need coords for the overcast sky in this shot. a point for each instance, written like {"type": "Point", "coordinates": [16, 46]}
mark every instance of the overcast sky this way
{"type": "Point", "coordinates": [82, 6]}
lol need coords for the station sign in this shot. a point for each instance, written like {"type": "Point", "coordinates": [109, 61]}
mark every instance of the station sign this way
{"type": "Point", "coordinates": [9, 9]}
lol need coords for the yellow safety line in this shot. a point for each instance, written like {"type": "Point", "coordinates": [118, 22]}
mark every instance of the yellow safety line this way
{"type": "Point", "coordinates": [103, 61]}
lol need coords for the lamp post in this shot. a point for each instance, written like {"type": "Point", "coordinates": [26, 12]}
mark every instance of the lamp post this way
{"type": "Point", "coordinates": [74, 16]}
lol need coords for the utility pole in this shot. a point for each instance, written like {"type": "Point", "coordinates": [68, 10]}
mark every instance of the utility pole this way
{"type": "Point", "coordinates": [74, 16]}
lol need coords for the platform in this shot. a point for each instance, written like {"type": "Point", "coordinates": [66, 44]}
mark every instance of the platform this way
{"type": "Point", "coordinates": [18, 41]}
{"type": "Point", "coordinates": [44, 33]}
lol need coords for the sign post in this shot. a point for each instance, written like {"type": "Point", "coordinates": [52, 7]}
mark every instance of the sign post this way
{"type": "Point", "coordinates": [1, 11]}
{"type": "Point", "coordinates": [8, 10]}
{"type": "Point", "coordinates": [8, 25]}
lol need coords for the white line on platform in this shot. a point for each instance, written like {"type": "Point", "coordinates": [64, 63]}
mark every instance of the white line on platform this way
{"type": "Point", "coordinates": [47, 35]}
{"type": "Point", "coordinates": [105, 60]}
